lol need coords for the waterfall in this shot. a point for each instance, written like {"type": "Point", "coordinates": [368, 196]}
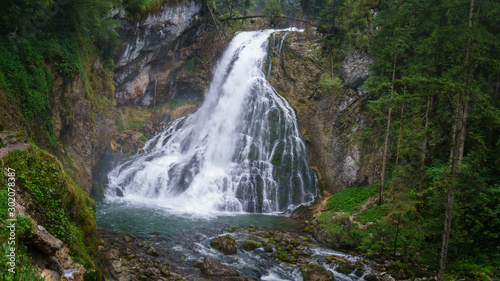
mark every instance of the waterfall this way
{"type": "Point", "coordinates": [241, 151]}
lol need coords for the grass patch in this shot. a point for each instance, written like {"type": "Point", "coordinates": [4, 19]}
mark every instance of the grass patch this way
{"type": "Point", "coordinates": [348, 200]}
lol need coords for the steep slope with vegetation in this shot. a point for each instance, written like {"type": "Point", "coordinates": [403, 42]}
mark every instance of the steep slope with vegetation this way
{"type": "Point", "coordinates": [433, 99]}
{"type": "Point", "coordinates": [56, 77]}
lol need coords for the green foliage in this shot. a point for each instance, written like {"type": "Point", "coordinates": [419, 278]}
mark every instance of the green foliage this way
{"type": "Point", "coordinates": [27, 78]}
{"type": "Point", "coordinates": [273, 9]}
{"type": "Point", "coordinates": [343, 234]}
{"type": "Point", "coordinates": [330, 84]}
{"type": "Point", "coordinates": [371, 214]}
{"type": "Point", "coordinates": [435, 58]}
{"type": "Point", "coordinates": [190, 67]}
{"type": "Point", "coordinates": [23, 268]}
{"type": "Point", "coordinates": [60, 205]}
{"type": "Point", "coordinates": [137, 9]}
{"type": "Point", "coordinates": [347, 200]}
{"type": "Point", "coordinates": [42, 38]}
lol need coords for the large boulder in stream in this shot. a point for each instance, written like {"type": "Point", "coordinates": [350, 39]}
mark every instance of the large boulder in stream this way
{"type": "Point", "coordinates": [315, 272]}
{"type": "Point", "coordinates": [225, 244]}
{"type": "Point", "coordinates": [213, 267]}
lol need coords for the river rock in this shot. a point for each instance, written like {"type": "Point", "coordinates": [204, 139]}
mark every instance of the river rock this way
{"type": "Point", "coordinates": [315, 272]}
{"type": "Point", "coordinates": [113, 254]}
{"type": "Point", "coordinates": [345, 268]}
{"type": "Point", "coordinates": [371, 277]}
{"type": "Point", "coordinates": [50, 275]}
{"type": "Point", "coordinates": [268, 248]}
{"type": "Point", "coordinates": [45, 241]}
{"type": "Point", "coordinates": [213, 267]}
{"type": "Point", "coordinates": [225, 244]}
{"type": "Point", "coordinates": [152, 251]}
{"type": "Point", "coordinates": [250, 245]}
{"type": "Point", "coordinates": [386, 277]}
{"type": "Point", "coordinates": [117, 265]}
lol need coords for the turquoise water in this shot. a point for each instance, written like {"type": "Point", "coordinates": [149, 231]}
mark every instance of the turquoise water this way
{"type": "Point", "coordinates": [188, 239]}
{"type": "Point", "coordinates": [140, 219]}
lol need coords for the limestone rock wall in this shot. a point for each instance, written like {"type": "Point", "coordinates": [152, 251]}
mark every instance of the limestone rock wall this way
{"type": "Point", "coordinates": [332, 118]}
{"type": "Point", "coordinates": [151, 55]}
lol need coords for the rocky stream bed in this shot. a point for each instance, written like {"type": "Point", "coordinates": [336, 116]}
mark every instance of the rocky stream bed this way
{"type": "Point", "coordinates": [232, 253]}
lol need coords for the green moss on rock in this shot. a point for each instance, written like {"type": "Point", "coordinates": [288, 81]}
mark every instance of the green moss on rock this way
{"type": "Point", "coordinates": [225, 244]}
{"type": "Point", "coordinates": [250, 245]}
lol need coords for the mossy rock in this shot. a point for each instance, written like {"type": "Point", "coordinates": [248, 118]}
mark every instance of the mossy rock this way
{"type": "Point", "coordinates": [250, 245]}
{"type": "Point", "coordinates": [316, 272]}
{"type": "Point", "coordinates": [268, 248]}
{"type": "Point", "coordinates": [308, 228]}
{"type": "Point", "coordinates": [233, 228]}
{"type": "Point", "coordinates": [371, 277]}
{"type": "Point", "coordinates": [345, 268]}
{"type": "Point", "coordinates": [337, 259]}
{"type": "Point", "coordinates": [283, 256]}
{"type": "Point", "coordinates": [252, 228]}
{"type": "Point", "coordinates": [225, 244]}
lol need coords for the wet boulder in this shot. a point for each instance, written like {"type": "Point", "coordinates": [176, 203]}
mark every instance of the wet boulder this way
{"type": "Point", "coordinates": [213, 267]}
{"type": "Point", "coordinates": [250, 245]}
{"type": "Point", "coordinates": [152, 251]}
{"type": "Point", "coordinates": [225, 244]}
{"type": "Point", "coordinates": [268, 248]}
{"type": "Point", "coordinates": [315, 272]}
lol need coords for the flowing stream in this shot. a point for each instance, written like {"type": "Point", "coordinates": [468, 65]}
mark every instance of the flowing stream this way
{"type": "Point", "coordinates": [241, 152]}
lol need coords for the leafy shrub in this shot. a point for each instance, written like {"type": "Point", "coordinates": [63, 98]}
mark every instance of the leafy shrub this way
{"type": "Point", "coordinates": [372, 214]}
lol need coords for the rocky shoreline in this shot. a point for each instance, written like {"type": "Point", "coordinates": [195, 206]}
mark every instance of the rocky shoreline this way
{"type": "Point", "coordinates": [160, 257]}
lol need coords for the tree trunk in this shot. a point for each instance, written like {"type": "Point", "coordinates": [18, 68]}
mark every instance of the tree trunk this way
{"type": "Point", "coordinates": [495, 98]}
{"type": "Point", "coordinates": [426, 126]}
{"type": "Point", "coordinates": [462, 109]}
{"type": "Point", "coordinates": [386, 139]}
{"type": "Point", "coordinates": [216, 26]}
{"type": "Point", "coordinates": [398, 152]}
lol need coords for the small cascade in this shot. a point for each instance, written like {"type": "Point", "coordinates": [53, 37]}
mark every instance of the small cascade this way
{"type": "Point", "coordinates": [241, 151]}
{"type": "Point", "coordinates": [68, 274]}
{"type": "Point", "coordinates": [280, 48]}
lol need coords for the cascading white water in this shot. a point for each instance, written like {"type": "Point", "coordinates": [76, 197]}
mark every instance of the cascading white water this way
{"type": "Point", "coordinates": [240, 152]}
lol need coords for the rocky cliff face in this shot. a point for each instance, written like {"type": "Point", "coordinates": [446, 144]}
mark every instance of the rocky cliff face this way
{"type": "Point", "coordinates": [153, 53]}
{"type": "Point", "coordinates": [83, 131]}
{"type": "Point", "coordinates": [330, 112]}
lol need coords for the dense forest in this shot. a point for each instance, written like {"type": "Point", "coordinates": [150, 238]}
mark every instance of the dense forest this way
{"type": "Point", "coordinates": [434, 93]}
{"type": "Point", "coordinates": [433, 98]}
